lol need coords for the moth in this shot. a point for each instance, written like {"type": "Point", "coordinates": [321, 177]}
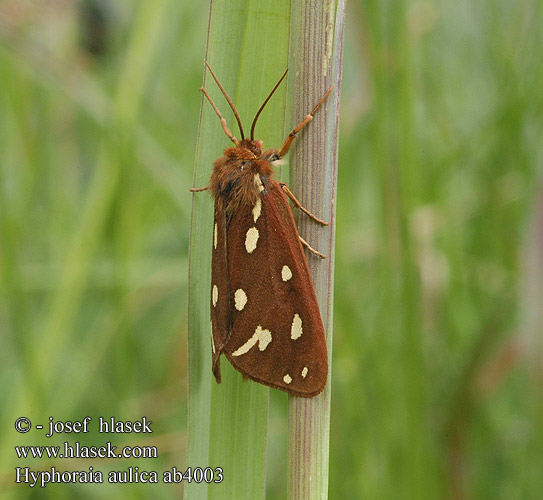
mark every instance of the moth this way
{"type": "Point", "coordinates": [264, 313]}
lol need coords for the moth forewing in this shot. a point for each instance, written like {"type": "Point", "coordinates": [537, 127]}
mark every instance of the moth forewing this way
{"type": "Point", "coordinates": [220, 313]}
{"type": "Point", "coordinates": [277, 336]}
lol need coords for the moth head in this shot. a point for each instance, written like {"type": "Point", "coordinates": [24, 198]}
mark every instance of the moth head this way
{"type": "Point", "coordinates": [253, 147]}
{"type": "Point", "coordinates": [239, 153]}
{"type": "Point", "coordinates": [246, 159]}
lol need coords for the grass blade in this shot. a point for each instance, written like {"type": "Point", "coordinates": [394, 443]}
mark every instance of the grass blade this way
{"type": "Point", "coordinates": [317, 31]}
{"type": "Point", "coordinates": [248, 50]}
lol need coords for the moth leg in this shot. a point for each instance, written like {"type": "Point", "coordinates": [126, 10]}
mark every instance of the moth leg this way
{"type": "Point", "coordinates": [311, 249]}
{"type": "Point", "coordinates": [286, 146]}
{"type": "Point", "coordinates": [297, 204]}
{"type": "Point", "coordinates": [227, 131]}
{"type": "Point", "coordinates": [197, 190]}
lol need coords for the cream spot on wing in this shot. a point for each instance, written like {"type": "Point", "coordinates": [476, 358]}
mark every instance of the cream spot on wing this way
{"type": "Point", "coordinates": [245, 348]}
{"type": "Point", "coordinates": [264, 338]}
{"type": "Point", "coordinates": [286, 273]}
{"type": "Point", "coordinates": [304, 372]}
{"type": "Point", "coordinates": [261, 335]}
{"type": "Point", "coordinates": [287, 379]}
{"type": "Point", "coordinates": [212, 341]}
{"type": "Point", "coordinates": [240, 299]}
{"type": "Point", "coordinates": [251, 239]}
{"type": "Point", "coordinates": [215, 237]}
{"type": "Point", "coordinates": [257, 209]}
{"type": "Point", "coordinates": [215, 295]}
{"type": "Point", "coordinates": [296, 328]}
{"type": "Point", "coordinates": [258, 182]}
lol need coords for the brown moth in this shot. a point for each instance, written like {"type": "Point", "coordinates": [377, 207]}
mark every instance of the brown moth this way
{"type": "Point", "coordinates": [264, 313]}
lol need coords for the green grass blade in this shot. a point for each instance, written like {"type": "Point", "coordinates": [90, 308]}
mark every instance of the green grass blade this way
{"type": "Point", "coordinates": [318, 29]}
{"type": "Point", "coordinates": [248, 50]}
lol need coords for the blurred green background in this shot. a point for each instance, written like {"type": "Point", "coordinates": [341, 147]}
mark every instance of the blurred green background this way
{"type": "Point", "coordinates": [438, 341]}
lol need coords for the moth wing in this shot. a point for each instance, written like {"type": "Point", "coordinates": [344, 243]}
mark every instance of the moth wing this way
{"type": "Point", "coordinates": [220, 291]}
{"type": "Point", "coordinates": [277, 337]}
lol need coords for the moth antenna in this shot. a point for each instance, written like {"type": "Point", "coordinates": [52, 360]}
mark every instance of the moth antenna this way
{"type": "Point", "coordinates": [263, 105]}
{"type": "Point", "coordinates": [227, 97]}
